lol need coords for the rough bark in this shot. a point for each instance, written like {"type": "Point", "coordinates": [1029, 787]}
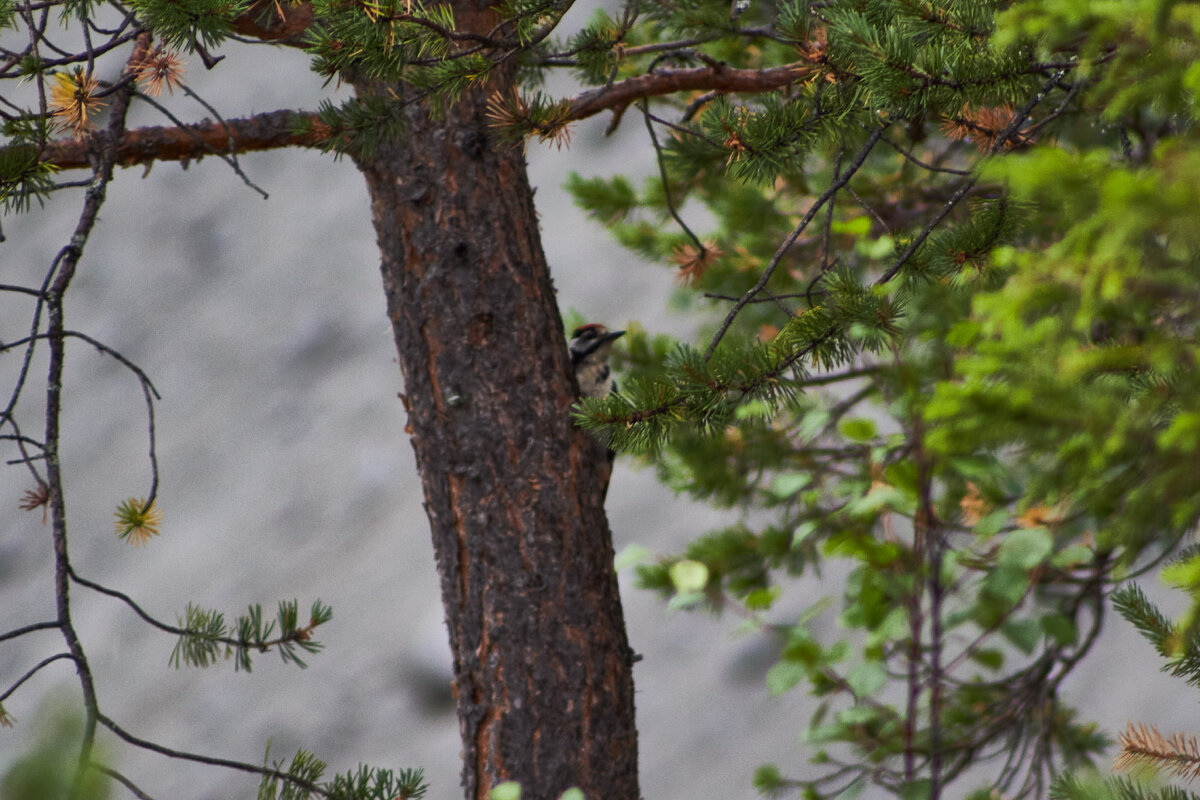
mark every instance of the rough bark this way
{"type": "Point", "coordinates": [513, 490]}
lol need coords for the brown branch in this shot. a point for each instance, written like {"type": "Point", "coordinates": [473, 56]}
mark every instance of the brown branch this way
{"type": "Point", "coordinates": [267, 131]}
{"type": "Point", "coordinates": [667, 81]}
{"type": "Point", "coordinates": [263, 20]}
{"type": "Point", "coordinates": [276, 129]}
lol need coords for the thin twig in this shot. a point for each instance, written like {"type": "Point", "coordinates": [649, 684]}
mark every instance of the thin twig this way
{"type": "Point", "coordinates": [65, 264]}
{"type": "Point", "coordinates": [837, 184]}
{"type": "Point", "coordinates": [666, 183]}
{"type": "Point", "coordinates": [121, 779]}
{"type": "Point", "coordinates": [297, 636]}
{"type": "Point", "coordinates": [183, 755]}
{"type": "Point", "coordinates": [33, 671]}
{"type": "Point", "coordinates": [31, 628]}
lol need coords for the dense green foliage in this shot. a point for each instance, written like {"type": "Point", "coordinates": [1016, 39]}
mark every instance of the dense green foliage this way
{"type": "Point", "coordinates": [971, 377]}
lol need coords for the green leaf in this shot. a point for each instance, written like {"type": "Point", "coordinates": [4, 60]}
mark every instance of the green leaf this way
{"type": "Point", "coordinates": [812, 423]}
{"type": "Point", "coordinates": [1183, 574]}
{"type": "Point", "coordinates": [866, 678]}
{"type": "Point", "coordinates": [1073, 556]}
{"type": "Point", "coordinates": [783, 675]}
{"type": "Point", "coordinates": [802, 532]}
{"type": "Point", "coordinates": [856, 715]}
{"type": "Point", "coordinates": [685, 600]}
{"type": "Point", "coordinates": [762, 599]}
{"type": "Point", "coordinates": [916, 790]}
{"type": "Point", "coordinates": [631, 555]}
{"type": "Point", "coordinates": [1026, 548]}
{"type": "Point", "coordinates": [1007, 582]}
{"type": "Point", "coordinates": [858, 429]}
{"type": "Point", "coordinates": [992, 523]}
{"type": "Point", "coordinates": [1024, 633]}
{"type": "Point", "coordinates": [688, 576]}
{"type": "Point", "coordinates": [788, 484]}
{"type": "Point", "coordinates": [988, 657]}
{"type": "Point", "coordinates": [859, 226]}
{"type": "Point", "coordinates": [1060, 628]}
{"type": "Point", "coordinates": [509, 790]}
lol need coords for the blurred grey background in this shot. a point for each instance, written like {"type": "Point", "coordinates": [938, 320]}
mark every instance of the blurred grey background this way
{"type": "Point", "coordinates": [286, 473]}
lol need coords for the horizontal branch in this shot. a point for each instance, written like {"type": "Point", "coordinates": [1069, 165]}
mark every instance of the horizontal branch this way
{"type": "Point", "coordinates": [267, 131]}
{"type": "Point", "coordinates": [276, 129]}
{"type": "Point", "coordinates": [695, 79]}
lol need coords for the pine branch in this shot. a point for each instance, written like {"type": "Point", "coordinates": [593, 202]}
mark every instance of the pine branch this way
{"type": "Point", "coordinates": [667, 81]}
{"type": "Point", "coordinates": [267, 131]}
{"type": "Point", "coordinates": [1179, 754]}
{"type": "Point", "coordinates": [278, 129]}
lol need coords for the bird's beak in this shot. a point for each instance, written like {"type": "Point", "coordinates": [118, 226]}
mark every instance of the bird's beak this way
{"type": "Point", "coordinates": [608, 337]}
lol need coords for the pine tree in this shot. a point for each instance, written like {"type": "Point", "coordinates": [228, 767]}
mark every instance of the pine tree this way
{"type": "Point", "coordinates": [951, 254]}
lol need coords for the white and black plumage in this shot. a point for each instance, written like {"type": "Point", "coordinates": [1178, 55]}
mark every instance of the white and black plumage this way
{"type": "Point", "coordinates": [590, 346]}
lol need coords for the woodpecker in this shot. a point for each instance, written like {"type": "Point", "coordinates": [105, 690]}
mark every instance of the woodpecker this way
{"type": "Point", "coordinates": [590, 346]}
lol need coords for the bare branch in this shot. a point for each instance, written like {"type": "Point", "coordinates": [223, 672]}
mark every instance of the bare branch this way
{"type": "Point", "coordinates": [667, 81]}
{"type": "Point", "coordinates": [24, 629]}
{"type": "Point", "coordinates": [33, 671]}
{"type": "Point", "coordinates": [267, 131]}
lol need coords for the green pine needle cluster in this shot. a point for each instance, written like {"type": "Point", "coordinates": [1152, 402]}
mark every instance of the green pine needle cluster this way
{"type": "Point", "coordinates": [300, 779]}
{"type": "Point", "coordinates": [204, 23]}
{"type": "Point", "coordinates": [204, 635]}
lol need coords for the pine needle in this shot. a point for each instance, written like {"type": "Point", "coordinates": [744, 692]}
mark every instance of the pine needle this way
{"type": "Point", "coordinates": [1178, 754]}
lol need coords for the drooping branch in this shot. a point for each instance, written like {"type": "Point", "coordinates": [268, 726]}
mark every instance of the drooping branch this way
{"type": "Point", "coordinates": [278, 129]}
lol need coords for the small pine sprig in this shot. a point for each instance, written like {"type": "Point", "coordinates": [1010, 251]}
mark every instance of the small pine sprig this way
{"type": "Point", "coordinates": [304, 771]}
{"type": "Point", "coordinates": [369, 782]}
{"type": "Point", "coordinates": [192, 24]}
{"type": "Point", "coordinates": [23, 177]}
{"type": "Point", "coordinates": [357, 127]}
{"type": "Point", "coordinates": [1180, 647]}
{"type": "Point", "coordinates": [983, 126]}
{"type": "Point", "coordinates": [527, 21]}
{"type": "Point", "coordinates": [692, 390]}
{"type": "Point", "coordinates": [204, 635]}
{"type": "Point", "coordinates": [447, 79]}
{"type": "Point", "coordinates": [203, 638]}
{"type": "Point", "coordinates": [379, 39]}
{"type": "Point", "coordinates": [137, 520]}
{"type": "Point", "coordinates": [1142, 746]}
{"type": "Point", "coordinates": [764, 142]}
{"type": "Point", "coordinates": [516, 116]}
{"type": "Point", "coordinates": [74, 100]}
{"type": "Point", "coordinates": [300, 780]}
{"type": "Point", "coordinates": [160, 68]}
{"type": "Point", "coordinates": [1132, 604]}
{"type": "Point", "coordinates": [1069, 786]}
{"type": "Point", "coordinates": [694, 261]}
{"type": "Point", "coordinates": [36, 498]}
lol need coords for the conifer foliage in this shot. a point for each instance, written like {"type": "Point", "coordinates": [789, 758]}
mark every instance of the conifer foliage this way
{"type": "Point", "coordinates": [956, 354]}
{"type": "Point", "coordinates": [950, 253]}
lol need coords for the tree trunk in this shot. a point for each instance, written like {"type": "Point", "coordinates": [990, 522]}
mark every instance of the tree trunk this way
{"type": "Point", "coordinates": [513, 490]}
